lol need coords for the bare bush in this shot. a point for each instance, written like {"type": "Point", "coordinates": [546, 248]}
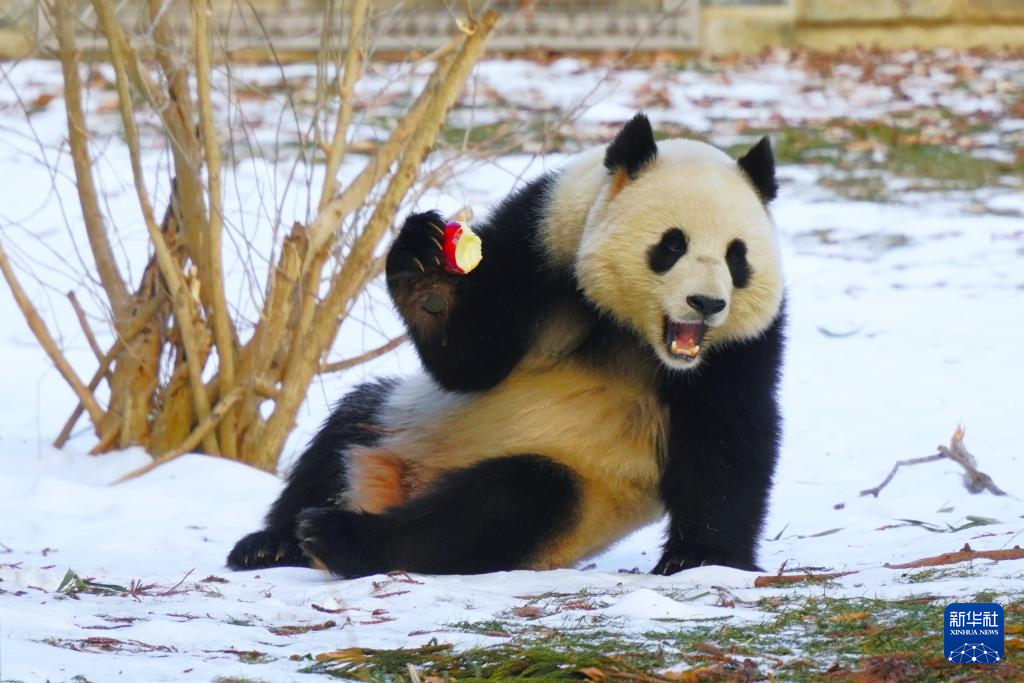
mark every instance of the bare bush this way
{"type": "Point", "coordinates": [185, 372]}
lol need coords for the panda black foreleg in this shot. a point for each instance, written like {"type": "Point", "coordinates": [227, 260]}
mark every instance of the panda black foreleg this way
{"type": "Point", "coordinates": [471, 330]}
{"type": "Point", "coordinates": [724, 435]}
{"type": "Point", "coordinates": [317, 479]}
{"type": "Point", "coordinates": [494, 515]}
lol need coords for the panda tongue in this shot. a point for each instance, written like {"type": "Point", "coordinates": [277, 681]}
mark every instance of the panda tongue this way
{"type": "Point", "coordinates": [686, 338]}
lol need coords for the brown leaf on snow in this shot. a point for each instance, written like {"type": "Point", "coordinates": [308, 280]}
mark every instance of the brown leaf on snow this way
{"type": "Point", "coordinates": [40, 102]}
{"type": "Point", "coordinates": [964, 554]}
{"type": "Point", "coordinates": [529, 612]}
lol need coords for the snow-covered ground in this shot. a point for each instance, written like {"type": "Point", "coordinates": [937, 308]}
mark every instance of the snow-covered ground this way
{"type": "Point", "coordinates": [907, 319]}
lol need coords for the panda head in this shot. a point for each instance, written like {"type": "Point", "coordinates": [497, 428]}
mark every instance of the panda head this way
{"type": "Point", "coordinates": [678, 243]}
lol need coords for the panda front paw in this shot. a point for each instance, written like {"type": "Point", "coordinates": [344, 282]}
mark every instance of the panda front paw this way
{"type": "Point", "coordinates": [264, 548]}
{"type": "Point", "coordinates": [683, 557]}
{"type": "Point", "coordinates": [420, 286]}
{"type": "Point", "coordinates": [335, 540]}
{"type": "Point", "coordinates": [417, 251]}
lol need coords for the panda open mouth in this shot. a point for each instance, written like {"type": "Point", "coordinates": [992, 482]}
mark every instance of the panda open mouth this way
{"type": "Point", "coordinates": [682, 340]}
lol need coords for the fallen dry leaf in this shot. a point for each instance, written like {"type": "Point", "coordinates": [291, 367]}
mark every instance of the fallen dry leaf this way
{"type": "Point", "coordinates": [852, 616]}
{"type": "Point", "coordinates": [529, 612]}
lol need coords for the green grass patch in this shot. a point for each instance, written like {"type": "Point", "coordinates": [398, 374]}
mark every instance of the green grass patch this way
{"type": "Point", "coordinates": [804, 639]}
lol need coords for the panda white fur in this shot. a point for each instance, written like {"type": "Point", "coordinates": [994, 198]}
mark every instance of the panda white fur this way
{"type": "Point", "coordinates": [614, 356]}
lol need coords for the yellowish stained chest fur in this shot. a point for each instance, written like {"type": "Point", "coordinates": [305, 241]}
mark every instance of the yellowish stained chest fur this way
{"type": "Point", "coordinates": [608, 428]}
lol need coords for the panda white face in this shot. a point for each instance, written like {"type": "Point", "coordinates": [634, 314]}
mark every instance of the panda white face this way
{"type": "Point", "coordinates": [681, 248]}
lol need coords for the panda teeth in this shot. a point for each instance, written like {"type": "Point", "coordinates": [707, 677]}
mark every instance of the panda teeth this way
{"type": "Point", "coordinates": [678, 350]}
{"type": "Point", "coordinates": [683, 339]}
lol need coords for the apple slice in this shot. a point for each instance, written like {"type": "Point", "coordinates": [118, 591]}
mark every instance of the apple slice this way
{"type": "Point", "coordinates": [462, 249]}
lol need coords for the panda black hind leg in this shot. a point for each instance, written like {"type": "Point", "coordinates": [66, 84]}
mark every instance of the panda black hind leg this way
{"type": "Point", "coordinates": [316, 480]}
{"type": "Point", "coordinates": [494, 515]}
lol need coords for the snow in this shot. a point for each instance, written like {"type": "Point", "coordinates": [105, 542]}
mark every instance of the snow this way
{"type": "Point", "coordinates": [904, 322]}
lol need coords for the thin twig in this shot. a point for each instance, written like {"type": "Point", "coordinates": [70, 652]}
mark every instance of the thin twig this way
{"type": "Point", "coordinates": [46, 340]}
{"type": "Point", "coordinates": [86, 329]}
{"type": "Point", "coordinates": [366, 357]}
{"type": "Point", "coordinates": [974, 479]}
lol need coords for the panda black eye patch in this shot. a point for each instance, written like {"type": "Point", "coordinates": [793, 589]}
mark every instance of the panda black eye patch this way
{"type": "Point", "coordinates": [739, 268]}
{"type": "Point", "coordinates": [663, 255]}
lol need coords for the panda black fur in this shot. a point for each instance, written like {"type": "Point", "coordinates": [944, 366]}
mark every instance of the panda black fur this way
{"type": "Point", "coordinates": [556, 414]}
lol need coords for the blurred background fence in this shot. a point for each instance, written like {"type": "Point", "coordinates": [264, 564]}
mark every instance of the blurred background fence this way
{"type": "Point", "coordinates": [295, 27]}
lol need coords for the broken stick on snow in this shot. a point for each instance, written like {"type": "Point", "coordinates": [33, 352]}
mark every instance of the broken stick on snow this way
{"type": "Point", "coordinates": [975, 480]}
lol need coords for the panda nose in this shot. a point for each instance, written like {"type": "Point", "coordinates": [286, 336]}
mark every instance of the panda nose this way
{"type": "Point", "coordinates": [705, 305]}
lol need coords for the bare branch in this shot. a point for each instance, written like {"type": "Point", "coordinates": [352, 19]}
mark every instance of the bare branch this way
{"type": "Point", "coordinates": [335, 211]}
{"type": "Point", "coordinates": [78, 137]}
{"type": "Point", "coordinates": [341, 365]}
{"type": "Point", "coordinates": [181, 129]}
{"type": "Point", "coordinates": [38, 327]}
{"type": "Point", "coordinates": [353, 66]}
{"type": "Point", "coordinates": [345, 285]}
{"type": "Point", "coordinates": [223, 332]}
{"type": "Point", "coordinates": [185, 312]}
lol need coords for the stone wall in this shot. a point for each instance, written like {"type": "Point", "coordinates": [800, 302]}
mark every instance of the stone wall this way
{"type": "Point", "coordinates": [294, 27]}
{"type": "Point", "coordinates": [832, 24]}
{"type": "Point", "coordinates": [594, 25]}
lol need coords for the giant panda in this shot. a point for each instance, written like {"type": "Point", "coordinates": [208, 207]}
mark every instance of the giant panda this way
{"type": "Point", "coordinates": [615, 356]}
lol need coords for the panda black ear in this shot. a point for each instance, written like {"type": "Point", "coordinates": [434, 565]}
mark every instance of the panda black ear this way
{"type": "Point", "coordinates": [759, 165]}
{"type": "Point", "coordinates": [632, 149]}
